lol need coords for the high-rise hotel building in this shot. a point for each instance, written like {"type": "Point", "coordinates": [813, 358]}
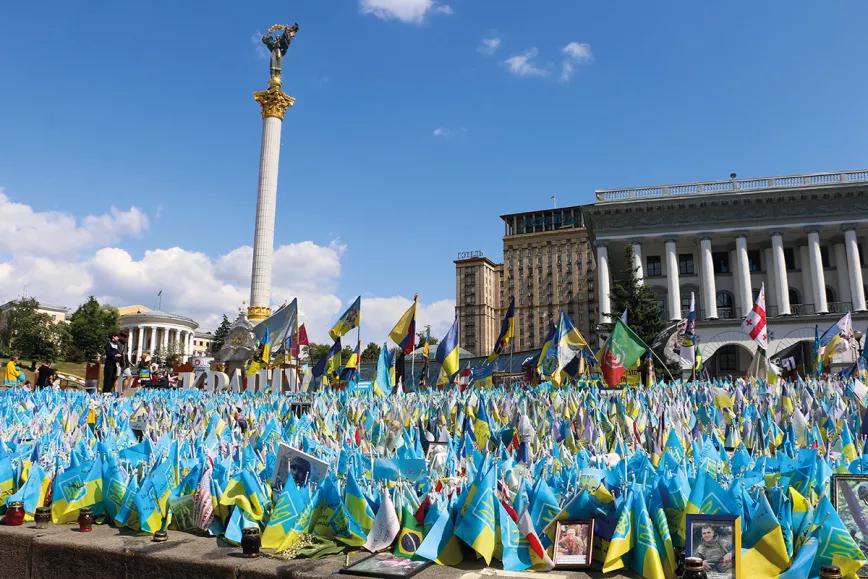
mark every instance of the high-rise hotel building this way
{"type": "Point", "coordinates": [547, 267]}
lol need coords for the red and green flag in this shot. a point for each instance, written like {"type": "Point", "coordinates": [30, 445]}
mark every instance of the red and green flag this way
{"type": "Point", "coordinates": [622, 351]}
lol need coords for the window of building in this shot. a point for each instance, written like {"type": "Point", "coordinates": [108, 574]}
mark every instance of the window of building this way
{"type": "Point", "coordinates": [685, 264]}
{"type": "Point", "coordinates": [725, 310]}
{"type": "Point", "coordinates": [727, 358]}
{"type": "Point", "coordinates": [830, 295]}
{"type": "Point", "coordinates": [824, 256]}
{"type": "Point", "coordinates": [753, 260]}
{"type": "Point", "coordinates": [721, 261]}
{"type": "Point", "coordinates": [795, 297]}
{"type": "Point", "coordinates": [653, 266]}
{"type": "Point", "coordinates": [790, 258]}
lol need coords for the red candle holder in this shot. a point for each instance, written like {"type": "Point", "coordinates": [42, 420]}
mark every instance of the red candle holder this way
{"type": "Point", "coordinates": [14, 514]}
{"type": "Point", "coordinates": [85, 520]}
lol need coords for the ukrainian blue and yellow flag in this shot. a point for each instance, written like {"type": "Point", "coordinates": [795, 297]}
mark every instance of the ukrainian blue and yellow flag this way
{"type": "Point", "coordinates": [357, 505]}
{"type": "Point", "coordinates": [290, 518]}
{"type": "Point", "coordinates": [349, 320]}
{"type": "Point", "coordinates": [383, 378]}
{"type": "Point", "coordinates": [507, 332]}
{"type": "Point", "coordinates": [476, 525]}
{"type": "Point", "coordinates": [329, 364]}
{"type": "Point", "coordinates": [447, 354]}
{"type": "Point", "coordinates": [76, 487]}
{"type": "Point", "coordinates": [547, 364]}
{"type": "Point", "coordinates": [404, 332]}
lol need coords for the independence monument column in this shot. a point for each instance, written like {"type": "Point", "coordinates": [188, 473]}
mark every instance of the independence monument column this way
{"type": "Point", "coordinates": [274, 103]}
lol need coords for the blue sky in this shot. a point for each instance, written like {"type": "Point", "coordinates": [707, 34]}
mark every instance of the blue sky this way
{"type": "Point", "coordinates": [416, 123]}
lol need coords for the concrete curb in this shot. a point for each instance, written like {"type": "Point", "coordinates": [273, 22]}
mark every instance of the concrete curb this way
{"type": "Point", "coordinates": [60, 551]}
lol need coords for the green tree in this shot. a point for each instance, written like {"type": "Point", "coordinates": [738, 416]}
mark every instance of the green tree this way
{"type": "Point", "coordinates": [371, 352]}
{"type": "Point", "coordinates": [220, 334]}
{"type": "Point", "coordinates": [421, 337]}
{"type": "Point", "coordinates": [90, 327]}
{"type": "Point", "coordinates": [30, 333]}
{"type": "Point", "coordinates": [317, 352]}
{"type": "Point", "coordinates": [643, 311]}
{"type": "Point", "coordinates": [172, 355]}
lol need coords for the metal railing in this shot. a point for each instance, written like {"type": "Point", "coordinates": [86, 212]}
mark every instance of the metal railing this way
{"type": "Point", "coordinates": [732, 186]}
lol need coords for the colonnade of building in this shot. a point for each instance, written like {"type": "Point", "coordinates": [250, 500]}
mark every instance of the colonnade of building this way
{"type": "Point", "coordinates": [845, 258]}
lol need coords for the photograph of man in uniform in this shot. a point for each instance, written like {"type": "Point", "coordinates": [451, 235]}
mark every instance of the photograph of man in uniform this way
{"type": "Point", "coordinates": [572, 544]}
{"type": "Point", "coordinates": [715, 551]}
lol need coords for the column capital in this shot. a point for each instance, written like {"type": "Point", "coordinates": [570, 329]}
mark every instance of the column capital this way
{"type": "Point", "coordinates": [848, 227]}
{"type": "Point", "coordinates": [777, 233]}
{"type": "Point", "coordinates": [670, 240]}
{"type": "Point", "coordinates": [273, 101]}
{"type": "Point", "coordinates": [600, 243]}
{"type": "Point", "coordinates": [705, 238]}
{"type": "Point", "coordinates": [740, 234]}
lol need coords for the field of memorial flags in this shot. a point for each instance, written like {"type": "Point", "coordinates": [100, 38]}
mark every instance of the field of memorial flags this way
{"type": "Point", "coordinates": [478, 471]}
{"type": "Point", "coordinates": [517, 458]}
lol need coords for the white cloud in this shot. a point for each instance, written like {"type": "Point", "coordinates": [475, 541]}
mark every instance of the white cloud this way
{"type": "Point", "coordinates": [574, 53]}
{"type": "Point", "coordinates": [413, 11]}
{"type": "Point", "coordinates": [489, 46]}
{"type": "Point", "coordinates": [379, 316]}
{"type": "Point", "coordinates": [58, 233]}
{"type": "Point", "coordinates": [523, 65]}
{"type": "Point", "coordinates": [447, 133]}
{"type": "Point", "coordinates": [193, 283]}
{"type": "Point", "coordinates": [261, 49]}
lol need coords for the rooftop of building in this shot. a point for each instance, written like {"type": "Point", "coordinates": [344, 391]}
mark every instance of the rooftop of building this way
{"type": "Point", "coordinates": [733, 185]}
{"type": "Point", "coordinates": [42, 306]}
{"type": "Point", "coordinates": [145, 314]}
{"type": "Point", "coordinates": [538, 211]}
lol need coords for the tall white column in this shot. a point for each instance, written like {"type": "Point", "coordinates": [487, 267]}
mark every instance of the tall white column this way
{"type": "Point", "coordinates": [818, 277]}
{"type": "Point", "coordinates": [709, 287]}
{"type": "Point", "coordinates": [153, 330]}
{"type": "Point", "coordinates": [274, 103]}
{"type": "Point", "coordinates": [854, 268]}
{"type": "Point", "coordinates": [637, 262]}
{"type": "Point", "coordinates": [164, 341]}
{"type": "Point", "coordinates": [743, 291]}
{"type": "Point", "coordinates": [190, 343]}
{"type": "Point", "coordinates": [141, 342]}
{"type": "Point", "coordinates": [672, 280]}
{"type": "Point", "coordinates": [841, 276]}
{"type": "Point", "coordinates": [807, 282]}
{"type": "Point", "coordinates": [772, 305]}
{"type": "Point", "coordinates": [603, 283]}
{"type": "Point", "coordinates": [779, 265]}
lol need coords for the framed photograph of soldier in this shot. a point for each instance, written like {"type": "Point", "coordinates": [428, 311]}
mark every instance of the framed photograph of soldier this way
{"type": "Point", "coordinates": [386, 566]}
{"type": "Point", "coordinates": [302, 467]}
{"type": "Point", "coordinates": [716, 539]}
{"type": "Point", "coordinates": [849, 494]}
{"type": "Point", "coordinates": [574, 544]}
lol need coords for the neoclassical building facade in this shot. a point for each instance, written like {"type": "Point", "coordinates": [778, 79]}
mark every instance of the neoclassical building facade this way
{"type": "Point", "coordinates": [803, 236]}
{"type": "Point", "coordinates": [153, 331]}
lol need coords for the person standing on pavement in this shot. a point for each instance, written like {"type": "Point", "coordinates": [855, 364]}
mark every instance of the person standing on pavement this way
{"type": "Point", "coordinates": [111, 363]}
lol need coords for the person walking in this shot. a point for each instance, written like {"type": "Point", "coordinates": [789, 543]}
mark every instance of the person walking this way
{"type": "Point", "coordinates": [110, 365]}
{"type": "Point", "coordinates": [13, 374]}
{"type": "Point", "coordinates": [44, 374]}
{"type": "Point", "coordinates": [125, 367]}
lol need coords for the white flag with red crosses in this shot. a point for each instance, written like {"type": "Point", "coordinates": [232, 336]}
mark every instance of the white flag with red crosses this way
{"type": "Point", "coordinates": [755, 322]}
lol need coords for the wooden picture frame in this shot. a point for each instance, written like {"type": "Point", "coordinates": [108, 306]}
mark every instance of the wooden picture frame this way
{"type": "Point", "coordinates": [386, 566]}
{"type": "Point", "coordinates": [574, 544]}
{"type": "Point", "coordinates": [849, 496]}
{"type": "Point", "coordinates": [725, 536]}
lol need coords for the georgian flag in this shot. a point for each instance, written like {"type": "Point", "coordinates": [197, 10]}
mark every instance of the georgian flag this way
{"type": "Point", "coordinates": [755, 322]}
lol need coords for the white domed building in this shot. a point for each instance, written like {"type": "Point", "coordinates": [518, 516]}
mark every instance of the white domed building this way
{"type": "Point", "coordinates": [152, 331]}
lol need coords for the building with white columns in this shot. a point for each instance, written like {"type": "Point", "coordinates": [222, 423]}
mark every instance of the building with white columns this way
{"type": "Point", "coordinates": [803, 236]}
{"type": "Point", "coordinates": [153, 331]}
